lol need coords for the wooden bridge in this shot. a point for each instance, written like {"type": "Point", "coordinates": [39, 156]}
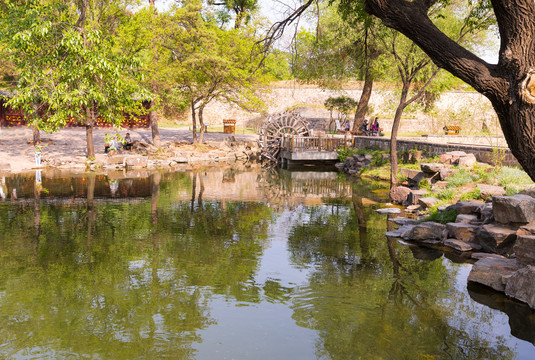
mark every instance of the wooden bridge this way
{"type": "Point", "coordinates": [308, 149]}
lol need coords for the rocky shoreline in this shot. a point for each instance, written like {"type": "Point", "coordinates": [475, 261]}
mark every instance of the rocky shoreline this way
{"type": "Point", "coordinates": [500, 234]}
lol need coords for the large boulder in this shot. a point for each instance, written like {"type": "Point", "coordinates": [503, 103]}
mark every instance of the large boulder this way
{"type": "Point", "coordinates": [493, 271]}
{"type": "Point", "coordinates": [486, 213]}
{"type": "Point", "coordinates": [399, 194]}
{"type": "Point", "coordinates": [462, 231]}
{"type": "Point", "coordinates": [521, 285]}
{"type": "Point", "coordinates": [514, 209]}
{"type": "Point", "coordinates": [496, 239]}
{"type": "Point", "coordinates": [526, 230]}
{"type": "Point", "coordinates": [388, 211]}
{"type": "Point", "coordinates": [427, 231]}
{"type": "Point", "coordinates": [524, 249]}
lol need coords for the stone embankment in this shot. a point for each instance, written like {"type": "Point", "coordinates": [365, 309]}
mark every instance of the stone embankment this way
{"type": "Point", "coordinates": [501, 233]}
{"type": "Point", "coordinates": [171, 155]}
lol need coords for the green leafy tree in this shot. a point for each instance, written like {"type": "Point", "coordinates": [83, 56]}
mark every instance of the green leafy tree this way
{"type": "Point", "coordinates": [68, 69]}
{"type": "Point", "coordinates": [206, 62]}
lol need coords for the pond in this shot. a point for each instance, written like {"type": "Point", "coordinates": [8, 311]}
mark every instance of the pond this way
{"type": "Point", "coordinates": [235, 263]}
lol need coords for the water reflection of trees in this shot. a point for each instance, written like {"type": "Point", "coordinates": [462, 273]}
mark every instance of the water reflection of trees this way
{"type": "Point", "coordinates": [116, 280]}
{"type": "Point", "coordinates": [368, 297]}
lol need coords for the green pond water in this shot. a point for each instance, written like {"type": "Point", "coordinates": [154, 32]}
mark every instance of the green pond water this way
{"type": "Point", "coordinates": [232, 264]}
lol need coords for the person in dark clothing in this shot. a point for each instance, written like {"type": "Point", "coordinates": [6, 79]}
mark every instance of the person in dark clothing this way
{"type": "Point", "coordinates": [364, 128]}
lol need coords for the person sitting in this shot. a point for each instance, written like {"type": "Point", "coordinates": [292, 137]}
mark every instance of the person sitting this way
{"type": "Point", "coordinates": [128, 142]}
{"type": "Point", "coordinates": [375, 127]}
{"type": "Point", "coordinates": [364, 128]}
{"type": "Point", "coordinates": [347, 126]}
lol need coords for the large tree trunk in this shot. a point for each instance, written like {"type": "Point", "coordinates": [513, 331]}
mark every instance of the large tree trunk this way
{"type": "Point", "coordinates": [508, 85]}
{"type": "Point", "coordinates": [364, 100]}
{"type": "Point", "coordinates": [394, 136]}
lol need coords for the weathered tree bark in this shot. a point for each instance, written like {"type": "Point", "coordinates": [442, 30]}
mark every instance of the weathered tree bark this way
{"type": "Point", "coordinates": [153, 116]}
{"type": "Point", "coordinates": [509, 85]}
{"type": "Point", "coordinates": [364, 99]}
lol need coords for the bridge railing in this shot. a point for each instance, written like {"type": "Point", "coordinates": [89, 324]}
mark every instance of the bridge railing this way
{"type": "Point", "coordinates": [307, 143]}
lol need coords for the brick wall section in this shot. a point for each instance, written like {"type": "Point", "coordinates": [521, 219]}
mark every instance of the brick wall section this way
{"type": "Point", "coordinates": [485, 154]}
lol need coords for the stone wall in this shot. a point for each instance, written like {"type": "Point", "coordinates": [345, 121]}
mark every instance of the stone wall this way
{"type": "Point", "coordinates": [486, 154]}
{"type": "Point", "coordinates": [463, 108]}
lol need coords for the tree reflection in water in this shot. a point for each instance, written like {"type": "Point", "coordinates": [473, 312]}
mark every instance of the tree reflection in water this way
{"type": "Point", "coordinates": [135, 274]}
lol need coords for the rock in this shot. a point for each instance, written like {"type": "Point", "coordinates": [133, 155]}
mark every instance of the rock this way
{"type": "Point", "coordinates": [401, 232]}
{"type": "Point", "coordinates": [467, 161]}
{"type": "Point", "coordinates": [467, 207]}
{"type": "Point", "coordinates": [488, 191]}
{"type": "Point", "coordinates": [496, 239]}
{"type": "Point", "coordinates": [416, 195]}
{"type": "Point", "coordinates": [414, 176]}
{"type": "Point", "coordinates": [442, 208]}
{"type": "Point", "coordinates": [136, 161]}
{"type": "Point", "coordinates": [399, 194]}
{"type": "Point", "coordinates": [528, 192]}
{"type": "Point", "coordinates": [412, 208]}
{"type": "Point", "coordinates": [115, 159]}
{"type": "Point", "coordinates": [486, 213]}
{"type": "Point", "coordinates": [388, 211]}
{"type": "Point", "coordinates": [427, 231]}
{"type": "Point", "coordinates": [482, 255]}
{"type": "Point", "coordinates": [461, 231]}
{"type": "Point", "coordinates": [514, 209]}
{"type": "Point", "coordinates": [457, 245]}
{"type": "Point", "coordinates": [521, 285]}
{"type": "Point", "coordinates": [446, 173]}
{"type": "Point", "coordinates": [493, 271]}
{"type": "Point", "coordinates": [526, 230]}
{"type": "Point", "coordinates": [524, 249]}
{"type": "Point", "coordinates": [340, 166]}
{"type": "Point", "coordinates": [451, 157]}
{"type": "Point", "coordinates": [404, 221]}
{"type": "Point", "coordinates": [428, 202]}
{"type": "Point", "coordinates": [431, 168]}
{"type": "Point", "coordinates": [440, 185]}
{"type": "Point", "coordinates": [465, 218]}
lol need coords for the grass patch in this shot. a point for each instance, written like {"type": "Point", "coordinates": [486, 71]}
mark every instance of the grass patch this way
{"type": "Point", "coordinates": [447, 194]}
{"type": "Point", "coordinates": [471, 195]}
{"type": "Point", "coordinates": [507, 176]}
{"type": "Point", "coordinates": [460, 178]}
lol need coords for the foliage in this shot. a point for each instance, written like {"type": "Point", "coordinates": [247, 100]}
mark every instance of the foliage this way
{"type": "Point", "coordinates": [446, 194]}
{"type": "Point", "coordinates": [342, 104]}
{"type": "Point", "coordinates": [471, 195]}
{"type": "Point", "coordinates": [443, 217]}
{"type": "Point", "coordinates": [460, 178]}
{"type": "Point", "coordinates": [65, 69]}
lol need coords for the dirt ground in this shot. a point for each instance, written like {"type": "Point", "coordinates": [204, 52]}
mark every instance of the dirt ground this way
{"type": "Point", "coordinates": [69, 144]}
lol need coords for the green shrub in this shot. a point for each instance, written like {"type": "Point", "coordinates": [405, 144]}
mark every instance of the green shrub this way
{"type": "Point", "coordinates": [424, 184]}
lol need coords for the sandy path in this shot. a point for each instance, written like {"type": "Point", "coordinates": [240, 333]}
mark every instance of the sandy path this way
{"type": "Point", "coordinates": [70, 144]}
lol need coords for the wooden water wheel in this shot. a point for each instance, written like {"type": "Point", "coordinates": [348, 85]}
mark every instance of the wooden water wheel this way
{"type": "Point", "coordinates": [275, 128]}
